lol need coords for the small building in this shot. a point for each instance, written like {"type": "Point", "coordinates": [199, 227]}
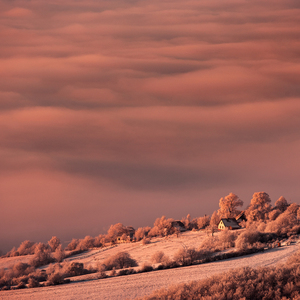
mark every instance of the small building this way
{"type": "Point", "coordinates": [130, 232]}
{"type": "Point", "coordinates": [229, 223]}
{"type": "Point", "coordinates": [178, 225]}
{"type": "Point", "coordinates": [241, 217]}
{"type": "Point", "coordinates": [127, 235]}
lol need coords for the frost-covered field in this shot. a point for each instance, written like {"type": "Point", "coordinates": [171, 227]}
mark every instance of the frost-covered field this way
{"type": "Point", "coordinates": [138, 285]}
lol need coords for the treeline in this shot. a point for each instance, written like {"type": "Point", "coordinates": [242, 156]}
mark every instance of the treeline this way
{"type": "Point", "coordinates": [282, 219]}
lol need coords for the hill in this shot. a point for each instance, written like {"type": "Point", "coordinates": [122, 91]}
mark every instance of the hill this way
{"type": "Point", "coordinates": [142, 284]}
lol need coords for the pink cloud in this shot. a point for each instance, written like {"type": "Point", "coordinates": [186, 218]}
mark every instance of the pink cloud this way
{"type": "Point", "coordinates": [114, 106]}
{"type": "Point", "coordinates": [18, 12]}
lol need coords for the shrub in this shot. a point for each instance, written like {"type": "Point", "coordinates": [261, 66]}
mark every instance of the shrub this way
{"type": "Point", "coordinates": [73, 244]}
{"type": "Point", "coordinates": [32, 282]}
{"type": "Point", "coordinates": [162, 227]}
{"type": "Point", "coordinates": [246, 239]}
{"type": "Point", "coordinates": [75, 269]}
{"type": "Point", "coordinates": [54, 243]}
{"type": "Point", "coordinates": [145, 241]}
{"type": "Point", "coordinates": [59, 254]}
{"type": "Point", "coordinates": [186, 256]}
{"type": "Point", "coordinates": [142, 232]}
{"type": "Point", "coordinates": [145, 268]}
{"type": "Point", "coordinates": [226, 239]}
{"type": "Point", "coordinates": [188, 223]}
{"type": "Point", "coordinates": [285, 222]}
{"type": "Point", "coordinates": [126, 272]}
{"type": "Point", "coordinates": [42, 256]}
{"type": "Point", "coordinates": [21, 285]}
{"type": "Point", "coordinates": [55, 279]}
{"type": "Point", "coordinates": [159, 257]}
{"type": "Point", "coordinates": [119, 261]}
{"type": "Point", "coordinates": [203, 222]}
{"type": "Point", "coordinates": [26, 248]}
{"type": "Point", "coordinates": [86, 243]}
{"type": "Point", "coordinates": [21, 269]}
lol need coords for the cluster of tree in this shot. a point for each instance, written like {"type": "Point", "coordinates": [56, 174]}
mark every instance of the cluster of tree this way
{"type": "Point", "coordinates": [281, 219]}
{"type": "Point", "coordinates": [23, 275]}
{"type": "Point", "coordinates": [42, 253]}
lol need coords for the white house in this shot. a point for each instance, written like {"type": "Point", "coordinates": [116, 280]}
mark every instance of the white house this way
{"type": "Point", "coordinates": [229, 223]}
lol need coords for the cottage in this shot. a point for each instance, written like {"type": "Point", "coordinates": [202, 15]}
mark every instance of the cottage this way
{"type": "Point", "coordinates": [178, 225]}
{"type": "Point", "coordinates": [229, 223]}
{"type": "Point", "coordinates": [127, 235]}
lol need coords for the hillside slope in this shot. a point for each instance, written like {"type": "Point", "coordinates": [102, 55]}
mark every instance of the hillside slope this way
{"type": "Point", "coordinates": [139, 285]}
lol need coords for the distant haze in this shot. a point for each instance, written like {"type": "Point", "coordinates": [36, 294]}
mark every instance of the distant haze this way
{"type": "Point", "coordinates": [124, 111]}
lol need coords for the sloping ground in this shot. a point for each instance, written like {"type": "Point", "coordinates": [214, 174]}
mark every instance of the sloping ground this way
{"type": "Point", "coordinates": [10, 261]}
{"type": "Point", "coordinates": [139, 285]}
{"type": "Point", "coordinates": [142, 253]}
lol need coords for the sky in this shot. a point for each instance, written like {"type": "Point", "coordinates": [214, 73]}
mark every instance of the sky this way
{"type": "Point", "coordinates": [126, 110]}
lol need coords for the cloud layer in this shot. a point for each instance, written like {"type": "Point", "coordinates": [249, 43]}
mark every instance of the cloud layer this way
{"type": "Point", "coordinates": [121, 111]}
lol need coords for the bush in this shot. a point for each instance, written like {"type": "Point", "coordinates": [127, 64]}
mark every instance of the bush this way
{"type": "Point", "coordinates": [59, 254]}
{"type": "Point", "coordinates": [21, 269]}
{"type": "Point", "coordinates": [126, 272]}
{"type": "Point", "coordinates": [73, 244]}
{"type": "Point", "coordinates": [21, 285]}
{"type": "Point", "coordinates": [186, 256]}
{"type": "Point", "coordinates": [243, 283]}
{"type": "Point", "coordinates": [247, 239]}
{"type": "Point", "coordinates": [226, 239]}
{"type": "Point", "coordinates": [54, 243]}
{"type": "Point", "coordinates": [32, 282]}
{"type": "Point", "coordinates": [42, 256]}
{"type": "Point", "coordinates": [142, 232]}
{"type": "Point", "coordinates": [162, 227]}
{"type": "Point", "coordinates": [75, 269]}
{"type": "Point", "coordinates": [119, 261]}
{"type": "Point", "coordinates": [159, 257]}
{"type": "Point", "coordinates": [285, 222]}
{"type": "Point", "coordinates": [55, 279]}
{"type": "Point", "coordinates": [203, 222]}
{"type": "Point", "coordinates": [26, 248]}
{"type": "Point", "coordinates": [145, 268]}
{"type": "Point", "coordinates": [145, 241]}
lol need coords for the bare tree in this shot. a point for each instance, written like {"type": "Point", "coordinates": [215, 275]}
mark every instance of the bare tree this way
{"type": "Point", "coordinates": [116, 230]}
{"type": "Point", "coordinates": [203, 222]}
{"type": "Point", "coordinates": [187, 222]}
{"type": "Point", "coordinates": [259, 207]}
{"type": "Point", "coordinates": [142, 232]}
{"type": "Point", "coordinates": [215, 219]}
{"type": "Point", "coordinates": [228, 206]}
{"type": "Point", "coordinates": [281, 204]}
{"type": "Point", "coordinates": [54, 243]}
{"type": "Point", "coordinates": [59, 254]}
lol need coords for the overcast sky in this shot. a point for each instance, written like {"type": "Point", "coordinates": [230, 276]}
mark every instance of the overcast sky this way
{"type": "Point", "coordinates": [126, 110]}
